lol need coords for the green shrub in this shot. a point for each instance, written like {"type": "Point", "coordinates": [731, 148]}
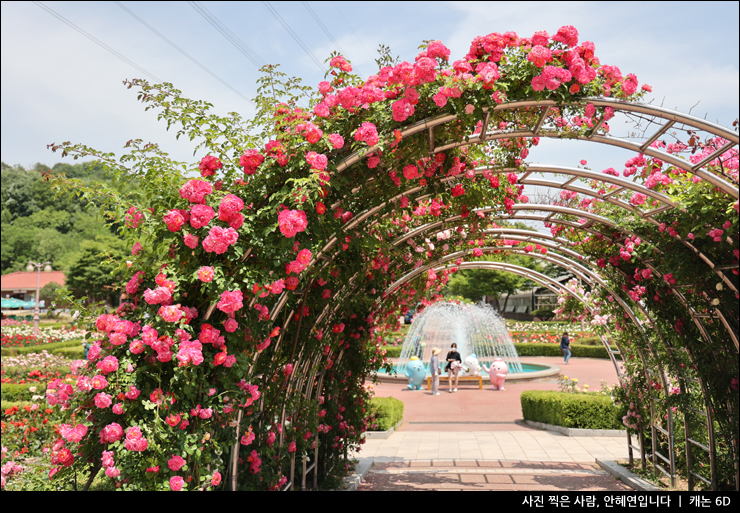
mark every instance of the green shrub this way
{"type": "Point", "coordinates": [581, 411]}
{"type": "Point", "coordinates": [77, 352]}
{"type": "Point", "coordinates": [576, 350]}
{"type": "Point", "coordinates": [15, 351]}
{"type": "Point", "coordinates": [388, 412]}
{"type": "Point", "coordinates": [53, 325]}
{"type": "Point", "coordinates": [393, 351]}
{"type": "Point", "coordinates": [590, 341]}
{"type": "Point", "coordinates": [12, 392]}
{"type": "Point", "coordinates": [543, 312]}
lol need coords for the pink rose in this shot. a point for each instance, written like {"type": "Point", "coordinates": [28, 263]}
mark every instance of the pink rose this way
{"type": "Point", "coordinates": [230, 301]}
{"type": "Point", "coordinates": [103, 400]}
{"type": "Point", "coordinates": [291, 222]}
{"type": "Point", "coordinates": [174, 220]}
{"type": "Point", "coordinates": [111, 433]}
{"type": "Point", "coordinates": [205, 274]}
{"type": "Point", "coordinates": [176, 483]}
{"type": "Point", "coordinates": [336, 140]}
{"type": "Point", "coordinates": [108, 364]}
{"type": "Point", "coordinates": [201, 215]}
{"type": "Point", "coordinates": [219, 239]}
{"type": "Point", "coordinates": [175, 463]}
{"type": "Point", "coordinates": [196, 191]}
{"type": "Point", "coordinates": [208, 165]}
{"type": "Point", "coordinates": [231, 325]}
{"type": "Point", "coordinates": [250, 161]}
{"type": "Point", "coordinates": [97, 382]}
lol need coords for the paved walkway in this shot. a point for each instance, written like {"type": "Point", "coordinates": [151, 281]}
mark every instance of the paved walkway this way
{"type": "Point", "coordinates": [476, 439]}
{"type": "Point", "coordinates": [529, 444]}
{"type": "Point", "coordinates": [489, 476]}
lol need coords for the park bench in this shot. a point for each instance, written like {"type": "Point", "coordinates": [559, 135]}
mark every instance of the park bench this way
{"type": "Point", "coordinates": [479, 379]}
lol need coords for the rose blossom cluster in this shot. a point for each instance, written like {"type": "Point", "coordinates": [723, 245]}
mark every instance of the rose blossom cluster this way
{"type": "Point", "coordinates": [367, 133]}
{"type": "Point", "coordinates": [292, 222]}
{"type": "Point", "coordinates": [229, 211]}
{"type": "Point", "coordinates": [196, 191]}
{"type": "Point", "coordinates": [219, 239]}
{"type": "Point", "coordinates": [250, 161]}
{"type": "Point", "coordinates": [209, 165]}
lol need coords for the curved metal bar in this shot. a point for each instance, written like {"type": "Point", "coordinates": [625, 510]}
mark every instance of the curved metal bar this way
{"type": "Point", "coordinates": [727, 187]}
{"type": "Point", "coordinates": [671, 116]}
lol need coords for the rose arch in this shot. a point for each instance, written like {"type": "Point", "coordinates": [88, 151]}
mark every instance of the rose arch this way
{"type": "Point", "coordinates": [255, 292]}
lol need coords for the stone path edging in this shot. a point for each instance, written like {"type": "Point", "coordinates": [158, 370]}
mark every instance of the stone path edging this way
{"type": "Point", "coordinates": [577, 432]}
{"type": "Point", "coordinates": [632, 480]}
{"type": "Point", "coordinates": [382, 434]}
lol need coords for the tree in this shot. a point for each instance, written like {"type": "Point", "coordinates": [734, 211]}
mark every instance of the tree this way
{"type": "Point", "coordinates": [90, 276]}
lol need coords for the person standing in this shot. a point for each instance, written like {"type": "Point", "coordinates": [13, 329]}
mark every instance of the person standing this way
{"type": "Point", "coordinates": [435, 370]}
{"type": "Point", "coordinates": [565, 346]}
{"type": "Point", "coordinates": [454, 364]}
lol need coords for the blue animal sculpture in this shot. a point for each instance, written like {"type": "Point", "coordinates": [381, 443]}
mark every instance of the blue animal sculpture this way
{"type": "Point", "coordinates": [416, 373]}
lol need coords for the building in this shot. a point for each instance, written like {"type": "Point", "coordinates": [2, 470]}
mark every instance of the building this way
{"type": "Point", "coordinates": [22, 285]}
{"type": "Point", "coordinates": [520, 305]}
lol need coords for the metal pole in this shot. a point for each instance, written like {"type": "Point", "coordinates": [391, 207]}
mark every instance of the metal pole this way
{"type": "Point", "coordinates": [36, 310]}
{"type": "Point", "coordinates": [30, 267]}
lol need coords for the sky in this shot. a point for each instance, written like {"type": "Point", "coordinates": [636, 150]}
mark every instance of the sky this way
{"type": "Point", "coordinates": [59, 85]}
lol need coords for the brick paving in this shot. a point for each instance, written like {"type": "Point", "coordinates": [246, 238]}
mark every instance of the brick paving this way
{"type": "Point", "coordinates": [489, 476]}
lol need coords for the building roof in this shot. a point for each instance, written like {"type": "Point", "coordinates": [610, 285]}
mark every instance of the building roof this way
{"type": "Point", "coordinates": [24, 280]}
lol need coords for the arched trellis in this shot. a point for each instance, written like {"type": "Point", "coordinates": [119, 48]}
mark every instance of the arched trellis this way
{"type": "Point", "coordinates": [669, 432]}
{"type": "Point", "coordinates": [610, 197]}
{"type": "Point", "coordinates": [520, 211]}
{"type": "Point", "coordinates": [283, 176]}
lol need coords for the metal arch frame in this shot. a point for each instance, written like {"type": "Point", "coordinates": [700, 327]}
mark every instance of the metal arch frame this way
{"type": "Point", "coordinates": [548, 208]}
{"type": "Point", "coordinates": [574, 172]}
{"type": "Point", "coordinates": [672, 117]}
{"type": "Point", "coordinates": [623, 184]}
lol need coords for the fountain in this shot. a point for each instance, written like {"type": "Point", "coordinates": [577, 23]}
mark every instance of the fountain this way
{"type": "Point", "coordinates": [477, 329]}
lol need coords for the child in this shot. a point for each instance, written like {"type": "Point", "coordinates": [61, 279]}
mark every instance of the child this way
{"type": "Point", "coordinates": [435, 370]}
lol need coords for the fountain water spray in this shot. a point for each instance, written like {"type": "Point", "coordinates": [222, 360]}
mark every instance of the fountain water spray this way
{"type": "Point", "coordinates": [477, 329]}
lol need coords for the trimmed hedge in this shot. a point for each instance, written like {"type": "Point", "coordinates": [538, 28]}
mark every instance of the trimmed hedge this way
{"type": "Point", "coordinates": [581, 411]}
{"type": "Point", "coordinates": [388, 411]}
{"type": "Point", "coordinates": [15, 351]}
{"type": "Point", "coordinates": [76, 353]}
{"type": "Point", "coordinates": [392, 351]}
{"type": "Point", "coordinates": [12, 392]}
{"type": "Point", "coordinates": [577, 350]}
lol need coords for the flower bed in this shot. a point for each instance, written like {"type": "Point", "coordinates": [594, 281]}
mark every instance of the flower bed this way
{"type": "Point", "coordinates": [30, 426]}
{"type": "Point", "coordinates": [548, 337]}
{"type": "Point", "coordinates": [50, 348]}
{"type": "Point", "coordinates": [21, 335]}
